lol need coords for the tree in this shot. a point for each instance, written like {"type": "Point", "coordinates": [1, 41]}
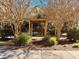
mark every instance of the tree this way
{"type": "Point", "coordinates": [59, 12]}
{"type": "Point", "coordinates": [14, 11]}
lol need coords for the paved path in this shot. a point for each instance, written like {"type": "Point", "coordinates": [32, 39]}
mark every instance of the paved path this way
{"type": "Point", "coordinates": [37, 54]}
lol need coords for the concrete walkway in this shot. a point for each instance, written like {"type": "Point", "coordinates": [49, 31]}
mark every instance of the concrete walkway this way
{"type": "Point", "coordinates": [49, 54]}
{"type": "Point", "coordinates": [37, 54]}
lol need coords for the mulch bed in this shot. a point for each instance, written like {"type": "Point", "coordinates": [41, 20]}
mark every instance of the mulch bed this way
{"type": "Point", "coordinates": [41, 45]}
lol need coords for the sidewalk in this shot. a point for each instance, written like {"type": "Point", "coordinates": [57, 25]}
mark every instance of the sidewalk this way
{"type": "Point", "coordinates": [49, 54]}
{"type": "Point", "coordinates": [37, 54]}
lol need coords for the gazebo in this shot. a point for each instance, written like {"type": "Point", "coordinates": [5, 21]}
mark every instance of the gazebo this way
{"type": "Point", "coordinates": [37, 22]}
{"type": "Point", "coordinates": [38, 26]}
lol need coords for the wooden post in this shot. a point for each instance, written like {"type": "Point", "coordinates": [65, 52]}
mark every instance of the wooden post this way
{"type": "Point", "coordinates": [29, 27]}
{"type": "Point", "coordinates": [46, 23]}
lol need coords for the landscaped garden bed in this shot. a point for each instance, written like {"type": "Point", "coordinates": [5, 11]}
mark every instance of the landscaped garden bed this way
{"type": "Point", "coordinates": [43, 44]}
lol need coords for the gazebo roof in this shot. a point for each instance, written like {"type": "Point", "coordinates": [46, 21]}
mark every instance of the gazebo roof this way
{"type": "Point", "coordinates": [36, 12]}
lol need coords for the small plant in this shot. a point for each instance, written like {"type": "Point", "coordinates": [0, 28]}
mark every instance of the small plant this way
{"type": "Point", "coordinates": [65, 45]}
{"type": "Point", "coordinates": [50, 40]}
{"type": "Point", "coordinates": [76, 45]}
{"type": "Point", "coordinates": [23, 39]}
{"type": "Point", "coordinates": [53, 41]}
{"type": "Point", "coordinates": [77, 41]}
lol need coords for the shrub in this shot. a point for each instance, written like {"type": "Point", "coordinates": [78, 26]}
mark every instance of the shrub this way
{"type": "Point", "coordinates": [50, 40]}
{"type": "Point", "coordinates": [47, 37]}
{"type": "Point", "coordinates": [76, 45]}
{"type": "Point", "coordinates": [23, 39]}
{"type": "Point", "coordinates": [72, 34]}
{"type": "Point", "coordinates": [77, 35]}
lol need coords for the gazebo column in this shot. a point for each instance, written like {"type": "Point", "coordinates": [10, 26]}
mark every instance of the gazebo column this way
{"type": "Point", "coordinates": [46, 23]}
{"type": "Point", "coordinates": [29, 27]}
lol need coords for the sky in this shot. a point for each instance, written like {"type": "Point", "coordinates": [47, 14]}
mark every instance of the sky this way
{"type": "Point", "coordinates": [38, 3]}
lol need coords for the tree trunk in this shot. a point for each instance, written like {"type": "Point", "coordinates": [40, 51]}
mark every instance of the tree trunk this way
{"type": "Point", "coordinates": [58, 34]}
{"type": "Point", "coordinates": [55, 32]}
{"type": "Point", "coordinates": [16, 30]}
